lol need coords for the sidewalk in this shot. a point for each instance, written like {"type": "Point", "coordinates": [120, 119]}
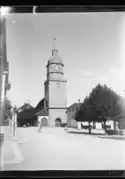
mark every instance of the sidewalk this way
{"type": "Point", "coordinates": [96, 132]}
{"type": "Point", "coordinates": [93, 131]}
{"type": "Point", "coordinates": [10, 151]}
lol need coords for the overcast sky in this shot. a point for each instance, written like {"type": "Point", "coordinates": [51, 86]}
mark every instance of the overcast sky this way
{"type": "Point", "coordinates": [90, 44]}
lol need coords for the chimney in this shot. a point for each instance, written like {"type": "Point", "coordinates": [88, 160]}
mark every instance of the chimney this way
{"type": "Point", "coordinates": [78, 100]}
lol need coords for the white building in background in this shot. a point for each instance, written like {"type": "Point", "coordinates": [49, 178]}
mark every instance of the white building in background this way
{"type": "Point", "coordinates": [110, 123]}
{"type": "Point", "coordinates": [70, 115]}
{"type": "Point", "coordinates": [98, 125]}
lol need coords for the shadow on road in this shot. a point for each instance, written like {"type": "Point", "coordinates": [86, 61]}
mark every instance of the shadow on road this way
{"type": "Point", "coordinates": [85, 133]}
{"type": "Point", "coordinates": [99, 135]}
{"type": "Point", "coordinates": [113, 137]}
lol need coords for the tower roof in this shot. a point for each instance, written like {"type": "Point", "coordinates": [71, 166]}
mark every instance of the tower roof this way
{"type": "Point", "coordinates": [55, 58]}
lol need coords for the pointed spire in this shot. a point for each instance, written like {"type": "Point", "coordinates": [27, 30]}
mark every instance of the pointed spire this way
{"type": "Point", "coordinates": [54, 43]}
{"type": "Point", "coordinates": [54, 51]}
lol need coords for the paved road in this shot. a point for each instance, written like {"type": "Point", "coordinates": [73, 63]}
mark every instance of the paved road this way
{"type": "Point", "coordinates": [56, 149]}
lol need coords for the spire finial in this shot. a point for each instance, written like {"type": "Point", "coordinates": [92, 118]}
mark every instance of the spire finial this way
{"type": "Point", "coordinates": [54, 51]}
{"type": "Point", "coordinates": [54, 43]}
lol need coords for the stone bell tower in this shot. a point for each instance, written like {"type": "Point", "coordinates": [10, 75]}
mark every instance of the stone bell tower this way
{"type": "Point", "coordinates": [55, 89]}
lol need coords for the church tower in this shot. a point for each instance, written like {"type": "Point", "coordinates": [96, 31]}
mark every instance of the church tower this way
{"type": "Point", "coordinates": [55, 89]}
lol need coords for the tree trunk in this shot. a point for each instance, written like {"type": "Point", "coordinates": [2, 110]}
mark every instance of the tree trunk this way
{"type": "Point", "coordinates": [114, 123]}
{"type": "Point", "coordinates": [102, 125]}
{"type": "Point", "coordinates": [89, 128]}
{"type": "Point", "coordinates": [105, 126]}
{"type": "Point", "coordinates": [94, 125]}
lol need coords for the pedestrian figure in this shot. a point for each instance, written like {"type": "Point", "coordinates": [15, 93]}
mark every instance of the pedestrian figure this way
{"type": "Point", "coordinates": [66, 127]}
{"type": "Point", "coordinates": [39, 125]}
{"type": "Point", "coordinates": [117, 128]}
{"type": "Point", "coordinates": [79, 125]}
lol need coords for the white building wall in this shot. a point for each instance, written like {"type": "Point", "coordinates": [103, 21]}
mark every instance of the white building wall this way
{"type": "Point", "coordinates": [57, 113]}
{"type": "Point", "coordinates": [71, 122]}
{"type": "Point", "coordinates": [41, 117]}
{"type": "Point", "coordinates": [110, 123]}
{"type": "Point", "coordinates": [79, 125]}
{"type": "Point", "coordinates": [98, 125]}
{"type": "Point", "coordinates": [57, 94]}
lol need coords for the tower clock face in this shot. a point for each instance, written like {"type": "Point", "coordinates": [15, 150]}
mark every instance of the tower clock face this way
{"type": "Point", "coordinates": [58, 68]}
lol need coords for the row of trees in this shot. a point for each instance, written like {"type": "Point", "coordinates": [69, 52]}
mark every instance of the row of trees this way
{"type": "Point", "coordinates": [101, 105]}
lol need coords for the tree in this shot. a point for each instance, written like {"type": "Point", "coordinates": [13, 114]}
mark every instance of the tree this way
{"type": "Point", "coordinates": [15, 109]}
{"type": "Point", "coordinates": [8, 107]}
{"type": "Point", "coordinates": [118, 110]}
{"type": "Point", "coordinates": [97, 105]}
{"type": "Point", "coordinates": [102, 114]}
{"type": "Point", "coordinates": [101, 103]}
{"type": "Point", "coordinates": [86, 113]}
{"type": "Point", "coordinates": [108, 102]}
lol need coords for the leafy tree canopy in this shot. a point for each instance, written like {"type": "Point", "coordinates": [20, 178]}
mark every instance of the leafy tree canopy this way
{"type": "Point", "coordinates": [101, 103]}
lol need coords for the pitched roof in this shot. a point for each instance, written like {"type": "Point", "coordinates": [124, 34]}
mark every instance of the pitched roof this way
{"type": "Point", "coordinates": [25, 106]}
{"type": "Point", "coordinates": [40, 105]}
{"type": "Point", "coordinates": [27, 113]}
{"type": "Point", "coordinates": [74, 105]}
{"type": "Point", "coordinates": [55, 58]}
{"type": "Point", "coordinates": [40, 110]}
{"type": "Point", "coordinates": [43, 112]}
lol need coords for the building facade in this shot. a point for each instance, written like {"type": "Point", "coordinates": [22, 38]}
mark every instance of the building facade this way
{"type": "Point", "coordinates": [55, 99]}
{"type": "Point", "coordinates": [4, 71]}
{"type": "Point", "coordinates": [70, 113]}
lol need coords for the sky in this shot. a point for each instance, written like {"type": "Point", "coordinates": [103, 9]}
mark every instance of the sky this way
{"type": "Point", "coordinates": [90, 44]}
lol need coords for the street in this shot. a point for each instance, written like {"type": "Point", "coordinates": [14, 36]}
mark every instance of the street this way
{"type": "Point", "coordinates": [55, 149]}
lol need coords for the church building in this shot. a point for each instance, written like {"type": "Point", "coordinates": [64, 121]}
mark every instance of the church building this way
{"type": "Point", "coordinates": [52, 108]}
